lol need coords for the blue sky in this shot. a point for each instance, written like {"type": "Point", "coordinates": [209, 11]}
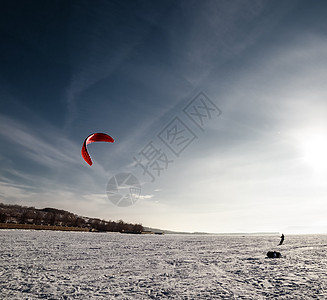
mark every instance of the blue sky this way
{"type": "Point", "coordinates": [129, 68]}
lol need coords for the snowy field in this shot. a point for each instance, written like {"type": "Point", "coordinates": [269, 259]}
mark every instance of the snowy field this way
{"type": "Point", "coordinates": [76, 265]}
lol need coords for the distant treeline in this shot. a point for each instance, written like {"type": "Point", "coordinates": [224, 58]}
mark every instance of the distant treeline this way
{"type": "Point", "coordinates": [16, 214]}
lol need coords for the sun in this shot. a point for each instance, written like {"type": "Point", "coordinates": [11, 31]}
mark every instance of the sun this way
{"type": "Point", "coordinates": [315, 152]}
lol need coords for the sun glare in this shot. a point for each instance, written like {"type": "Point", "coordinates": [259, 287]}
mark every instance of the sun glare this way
{"type": "Point", "coordinates": [315, 152]}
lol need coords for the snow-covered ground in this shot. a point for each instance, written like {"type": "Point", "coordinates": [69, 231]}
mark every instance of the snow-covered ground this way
{"type": "Point", "coordinates": [76, 265]}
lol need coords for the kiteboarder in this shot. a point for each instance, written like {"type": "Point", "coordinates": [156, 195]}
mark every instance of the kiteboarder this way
{"type": "Point", "coordinates": [281, 240]}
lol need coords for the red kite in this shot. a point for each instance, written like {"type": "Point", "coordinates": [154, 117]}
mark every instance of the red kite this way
{"type": "Point", "coordinates": [94, 137]}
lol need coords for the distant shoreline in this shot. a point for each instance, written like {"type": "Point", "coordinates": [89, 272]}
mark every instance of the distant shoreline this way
{"type": "Point", "coordinates": [147, 231]}
{"type": "Point", "coordinates": [63, 228]}
{"type": "Point", "coordinates": [41, 227]}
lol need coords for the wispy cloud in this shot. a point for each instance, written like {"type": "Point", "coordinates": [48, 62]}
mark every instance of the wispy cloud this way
{"type": "Point", "coordinates": [217, 32]}
{"type": "Point", "coordinates": [46, 148]}
{"type": "Point", "coordinates": [96, 61]}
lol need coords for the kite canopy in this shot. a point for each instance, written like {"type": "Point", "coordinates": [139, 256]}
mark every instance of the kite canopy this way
{"type": "Point", "coordinates": [94, 137]}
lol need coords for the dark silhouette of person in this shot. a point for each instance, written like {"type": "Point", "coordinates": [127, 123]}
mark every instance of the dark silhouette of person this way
{"type": "Point", "coordinates": [281, 239]}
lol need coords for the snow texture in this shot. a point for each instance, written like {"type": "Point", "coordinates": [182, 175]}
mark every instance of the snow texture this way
{"type": "Point", "coordinates": [77, 265]}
